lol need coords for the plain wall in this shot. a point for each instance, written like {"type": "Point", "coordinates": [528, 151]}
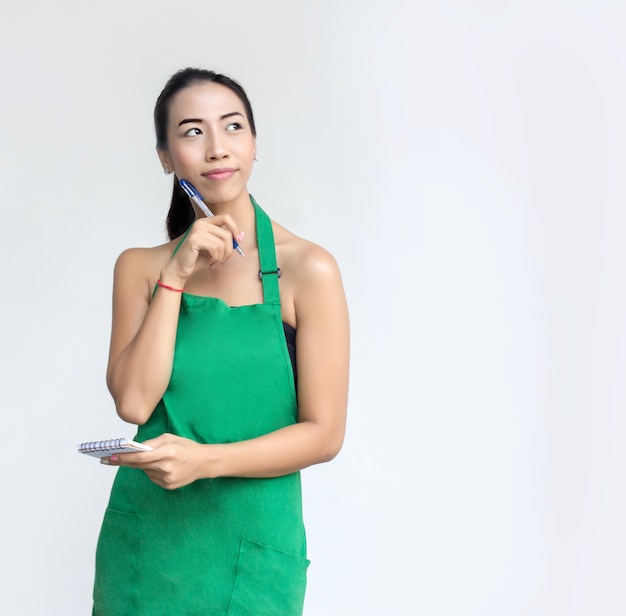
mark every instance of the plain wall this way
{"type": "Point", "coordinates": [464, 162]}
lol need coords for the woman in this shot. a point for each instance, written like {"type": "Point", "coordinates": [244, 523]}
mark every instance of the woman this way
{"type": "Point", "coordinates": [234, 368]}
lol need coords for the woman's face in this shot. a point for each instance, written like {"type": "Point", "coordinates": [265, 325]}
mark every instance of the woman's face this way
{"type": "Point", "coordinates": [210, 142]}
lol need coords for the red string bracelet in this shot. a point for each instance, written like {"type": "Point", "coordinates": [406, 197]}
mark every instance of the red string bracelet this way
{"type": "Point", "coordinates": [166, 286]}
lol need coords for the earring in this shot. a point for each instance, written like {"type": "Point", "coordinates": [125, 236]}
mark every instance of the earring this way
{"type": "Point", "coordinates": [256, 157]}
{"type": "Point", "coordinates": [166, 171]}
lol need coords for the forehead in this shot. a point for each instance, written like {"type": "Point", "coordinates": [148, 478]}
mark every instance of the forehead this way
{"type": "Point", "coordinates": [204, 101]}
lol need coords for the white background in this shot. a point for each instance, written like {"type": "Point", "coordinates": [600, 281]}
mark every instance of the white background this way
{"type": "Point", "coordinates": [464, 162]}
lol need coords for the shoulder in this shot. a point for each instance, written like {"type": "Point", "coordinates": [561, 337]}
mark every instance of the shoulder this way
{"type": "Point", "coordinates": [311, 285]}
{"type": "Point", "coordinates": [301, 260]}
{"type": "Point", "coordinates": [312, 294]}
{"type": "Point", "coordinates": [136, 255]}
{"type": "Point", "coordinates": [142, 263]}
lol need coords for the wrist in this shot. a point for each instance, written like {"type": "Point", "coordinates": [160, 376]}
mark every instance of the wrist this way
{"type": "Point", "coordinates": [170, 281]}
{"type": "Point", "coordinates": [161, 284]}
{"type": "Point", "coordinates": [210, 461]}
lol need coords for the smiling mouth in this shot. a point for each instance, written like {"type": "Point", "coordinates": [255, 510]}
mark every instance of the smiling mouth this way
{"type": "Point", "coordinates": [219, 174]}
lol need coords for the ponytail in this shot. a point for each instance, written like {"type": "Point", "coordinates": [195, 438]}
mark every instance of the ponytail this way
{"type": "Point", "coordinates": [181, 214]}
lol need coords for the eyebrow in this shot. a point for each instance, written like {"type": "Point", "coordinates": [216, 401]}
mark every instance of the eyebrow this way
{"type": "Point", "coordinates": [198, 121]}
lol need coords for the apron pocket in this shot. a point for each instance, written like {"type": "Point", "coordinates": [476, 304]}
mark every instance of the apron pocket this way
{"type": "Point", "coordinates": [268, 582]}
{"type": "Point", "coordinates": [116, 563]}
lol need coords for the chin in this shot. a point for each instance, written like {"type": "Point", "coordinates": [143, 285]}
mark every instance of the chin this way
{"type": "Point", "coordinates": [225, 195]}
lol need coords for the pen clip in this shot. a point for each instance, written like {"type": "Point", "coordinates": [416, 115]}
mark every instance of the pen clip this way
{"type": "Point", "coordinates": [189, 189]}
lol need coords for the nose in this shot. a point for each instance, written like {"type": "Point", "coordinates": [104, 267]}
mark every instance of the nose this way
{"type": "Point", "coordinates": [216, 147]}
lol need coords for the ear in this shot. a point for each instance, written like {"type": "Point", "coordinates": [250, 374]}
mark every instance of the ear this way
{"type": "Point", "coordinates": [168, 167]}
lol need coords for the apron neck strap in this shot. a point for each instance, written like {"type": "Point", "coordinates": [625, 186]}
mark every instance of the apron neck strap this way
{"type": "Point", "coordinates": [269, 272]}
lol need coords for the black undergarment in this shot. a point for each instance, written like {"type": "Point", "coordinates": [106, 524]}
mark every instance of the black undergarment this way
{"type": "Point", "coordinates": [290, 337]}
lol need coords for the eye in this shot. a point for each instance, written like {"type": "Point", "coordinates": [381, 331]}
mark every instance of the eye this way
{"type": "Point", "coordinates": [192, 132]}
{"type": "Point", "coordinates": [234, 126]}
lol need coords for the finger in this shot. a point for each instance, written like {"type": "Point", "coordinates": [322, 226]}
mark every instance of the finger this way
{"type": "Point", "coordinates": [155, 478]}
{"type": "Point", "coordinates": [229, 223]}
{"type": "Point", "coordinates": [224, 243]}
{"type": "Point", "coordinates": [164, 480]}
{"type": "Point", "coordinates": [214, 243]}
{"type": "Point", "coordinates": [228, 230]}
{"type": "Point", "coordinates": [137, 459]}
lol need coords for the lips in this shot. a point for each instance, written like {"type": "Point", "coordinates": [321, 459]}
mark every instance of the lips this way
{"type": "Point", "coordinates": [219, 174]}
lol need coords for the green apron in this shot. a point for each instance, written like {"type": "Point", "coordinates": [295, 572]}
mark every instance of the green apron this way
{"type": "Point", "coordinates": [225, 546]}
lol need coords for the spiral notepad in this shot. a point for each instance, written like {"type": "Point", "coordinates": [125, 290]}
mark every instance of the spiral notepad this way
{"type": "Point", "coordinates": [101, 449]}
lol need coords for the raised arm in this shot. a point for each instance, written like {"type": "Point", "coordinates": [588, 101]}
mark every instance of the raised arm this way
{"type": "Point", "coordinates": [143, 332]}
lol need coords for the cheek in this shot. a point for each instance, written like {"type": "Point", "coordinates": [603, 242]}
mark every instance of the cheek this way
{"type": "Point", "coordinates": [182, 156]}
{"type": "Point", "coordinates": [247, 151]}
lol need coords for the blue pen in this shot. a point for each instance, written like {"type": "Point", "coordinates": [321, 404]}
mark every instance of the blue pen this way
{"type": "Point", "coordinates": [196, 197]}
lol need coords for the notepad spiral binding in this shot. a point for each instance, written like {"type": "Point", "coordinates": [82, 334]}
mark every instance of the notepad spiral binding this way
{"type": "Point", "coordinates": [107, 445]}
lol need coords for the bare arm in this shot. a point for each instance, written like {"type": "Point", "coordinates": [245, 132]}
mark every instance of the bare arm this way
{"type": "Point", "coordinates": [143, 332]}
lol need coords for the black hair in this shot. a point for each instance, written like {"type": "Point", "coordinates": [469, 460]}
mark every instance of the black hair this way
{"type": "Point", "coordinates": [181, 214]}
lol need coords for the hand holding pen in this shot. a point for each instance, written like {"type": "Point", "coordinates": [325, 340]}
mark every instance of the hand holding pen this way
{"type": "Point", "coordinates": [196, 197]}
